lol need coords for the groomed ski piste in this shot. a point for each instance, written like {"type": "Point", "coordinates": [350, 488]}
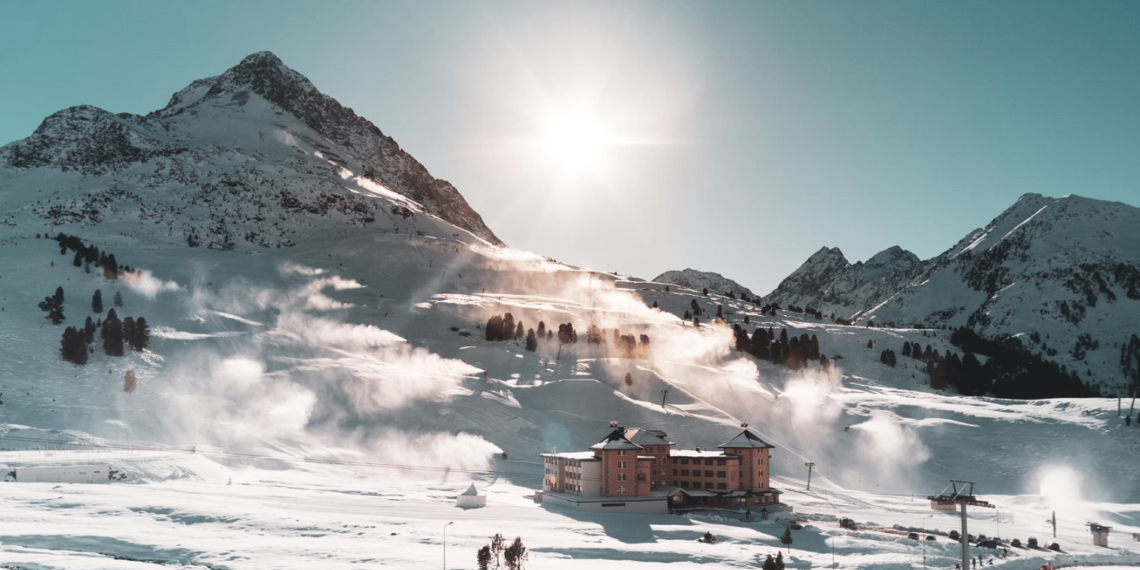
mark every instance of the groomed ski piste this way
{"type": "Point", "coordinates": [322, 405]}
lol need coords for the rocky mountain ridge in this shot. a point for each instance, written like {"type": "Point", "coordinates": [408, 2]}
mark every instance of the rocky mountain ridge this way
{"type": "Point", "coordinates": [700, 280]}
{"type": "Point", "coordinates": [249, 145]}
{"type": "Point", "coordinates": [1049, 271]}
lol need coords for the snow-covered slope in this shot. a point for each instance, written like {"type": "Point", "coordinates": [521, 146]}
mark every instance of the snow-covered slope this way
{"type": "Point", "coordinates": [701, 280]}
{"type": "Point", "coordinates": [1047, 269]}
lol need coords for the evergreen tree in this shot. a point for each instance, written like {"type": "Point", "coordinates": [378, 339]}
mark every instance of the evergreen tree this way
{"type": "Point", "coordinates": [531, 341]}
{"type": "Point", "coordinates": [483, 558]}
{"type": "Point", "coordinates": [785, 538]}
{"type": "Point", "coordinates": [705, 292]}
{"type": "Point", "coordinates": [906, 349]}
{"type": "Point", "coordinates": [141, 339]}
{"type": "Point", "coordinates": [541, 330]}
{"type": "Point", "coordinates": [720, 311]}
{"type": "Point", "coordinates": [515, 555]}
{"type": "Point", "coordinates": [769, 563]}
{"type": "Point", "coordinates": [566, 334]}
{"type": "Point", "coordinates": [870, 344]}
{"type": "Point", "coordinates": [655, 304]}
{"type": "Point", "coordinates": [58, 297]}
{"type": "Point", "coordinates": [89, 330]}
{"type": "Point", "coordinates": [745, 319]}
{"type": "Point", "coordinates": [780, 555]}
{"type": "Point", "coordinates": [594, 335]}
{"type": "Point", "coordinates": [519, 330]}
{"type": "Point", "coordinates": [97, 302]}
{"type": "Point", "coordinates": [494, 328]}
{"type": "Point", "coordinates": [112, 335]}
{"type": "Point", "coordinates": [73, 346]}
{"type": "Point", "coordinates": [508, 327]}
{"type": "Point", "coordinates": [549, 335]}
{"type": "Point", "coordinates": [55, 314]}
{"type": "Point", "coordinates": [118, 295]}
{"type": "Point", "coordinates": [759, 344]}
{"type": "Point", "coordinates": [77, 260]}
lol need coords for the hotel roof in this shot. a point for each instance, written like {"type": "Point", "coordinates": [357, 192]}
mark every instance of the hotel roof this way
{"type": "Point", "coordinates": [746, 438]}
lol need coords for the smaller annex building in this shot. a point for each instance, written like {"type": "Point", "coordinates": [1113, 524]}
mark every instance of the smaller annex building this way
{"type": "Point", "coordinates": [63, 474]}
{"type": "Point", "coordinates": [471, 499]}
{"type": "Point", "coordinates": [640, 470]}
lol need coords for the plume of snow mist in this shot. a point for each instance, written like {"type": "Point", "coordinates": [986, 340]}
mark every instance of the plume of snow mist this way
{"type": "Point", "coordinates": [301, 373]}
{"type": "Point", "coordinates": [464, 452]}
{"type": "Point", "coordinates": [375, 368]}
{"type": "Point", "coordinates": [146, 284]}
{"type": "Point", "coordinates": [236, 402]}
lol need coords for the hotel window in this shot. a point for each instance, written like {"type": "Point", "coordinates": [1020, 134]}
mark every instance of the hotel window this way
{"type": "Point", "coordinates": [621, 490]}
{"type": "Point", "coordinates": [661, 449]}
{"type": "Point", "coordinates": [674, 472]}
{"type": "Point", "coordinates": [684, 484]}
{"type": "Point", "coordinates": [722, 486]}
{"type": "Point", "coordinates": [760, 461]}
{"type": "Point", "coordinates": [722, 473]}
{"type": "Point", "coordinates": [621, 465]}
{"type": "Point", "coordinates": [654, 473]}
{"type": "Point", "coordinates": [761, 472]}
{"type": "Point", "coordinates": [708, 462]}
{"type": "Point", "coordinates": [708, 485]}
{"type": "Point", "coordinates": [684, 461]}
{"type": "Point", "coordinates": [684, 472]}
{"type": "Point", "coordinates": [621, 452]}
{"type": "Point", "coordinates": [709, 474]}
{"type": "Point", "coordinates": [621, 476]}
{"type": "Point", "coordinates": [720, 462]}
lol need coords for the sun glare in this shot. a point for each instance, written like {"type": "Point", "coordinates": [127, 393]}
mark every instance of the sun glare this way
{"type": "Point", "coordinates": [574, 142]}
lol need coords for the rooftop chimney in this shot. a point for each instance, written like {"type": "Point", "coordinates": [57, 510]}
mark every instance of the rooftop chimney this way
{"type": "Point", "coordinates": [613, 424]}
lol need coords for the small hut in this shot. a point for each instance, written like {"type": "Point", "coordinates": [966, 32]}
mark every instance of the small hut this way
{"type": "Point", "coordinates": [471, 499]}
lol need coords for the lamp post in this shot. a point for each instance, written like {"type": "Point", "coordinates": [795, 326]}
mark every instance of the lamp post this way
{"type": "Point", "coordinates": [924, 540]}
{"type": "Point", "coordinates": [445, 543]}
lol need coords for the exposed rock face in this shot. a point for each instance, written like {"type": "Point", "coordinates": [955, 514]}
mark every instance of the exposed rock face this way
{"type": "Point", "coordinates": [1063, 273]}
{"type": "Point", "coordinates": [198, 137]}
{"type": "Point", "coordinates": [700, 280]}
{"type": "Point", "coordinates": [827, 281]}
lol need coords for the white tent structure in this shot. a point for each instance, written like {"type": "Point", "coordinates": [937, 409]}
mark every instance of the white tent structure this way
{"type": "Point", "coordinates": [471, 499]}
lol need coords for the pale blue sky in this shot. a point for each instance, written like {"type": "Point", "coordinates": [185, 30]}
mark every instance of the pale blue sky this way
{"type": "Point", "coordinates": [751, 133]}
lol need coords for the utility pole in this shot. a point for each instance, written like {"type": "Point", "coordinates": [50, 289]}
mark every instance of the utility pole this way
{"type": "Point", "coordinates": [810, 466]}
{"type": "Point", "coordinates": [962, 497]}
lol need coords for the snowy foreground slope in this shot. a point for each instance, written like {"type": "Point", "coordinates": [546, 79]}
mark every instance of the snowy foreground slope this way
{"type": "Point", "coordinates": [322, 403]}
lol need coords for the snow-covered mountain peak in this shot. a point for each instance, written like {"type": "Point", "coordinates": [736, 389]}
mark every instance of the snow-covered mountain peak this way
{"type": "Point", "coordinates": [892, 257]}
{"type": "Point", "coordinates": [259, 129]}
{"type": "Point", "coordinates": [700, 280]}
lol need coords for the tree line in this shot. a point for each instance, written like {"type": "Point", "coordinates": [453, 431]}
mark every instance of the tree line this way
{"type": "Point", "coordinates": [1010, 370]}
{"type": "Point", "coordinates": [793, 352]}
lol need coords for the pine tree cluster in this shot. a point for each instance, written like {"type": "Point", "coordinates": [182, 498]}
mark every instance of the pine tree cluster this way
{"type": "Point", "coordinates": [793, 352]}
